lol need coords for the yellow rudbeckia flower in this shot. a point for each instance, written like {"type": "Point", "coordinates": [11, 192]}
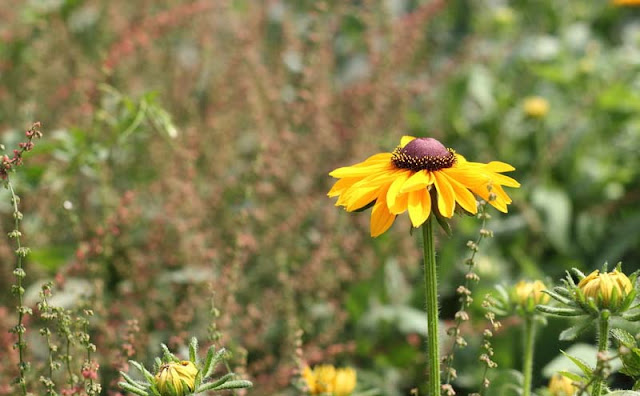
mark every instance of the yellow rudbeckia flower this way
{"type": "Point", "coordinates": [407, 179]}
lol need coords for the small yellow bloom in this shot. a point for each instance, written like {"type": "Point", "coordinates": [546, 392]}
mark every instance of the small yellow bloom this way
{"type": "Point", "coordinates": [525, 290]}
{"type": "Point", "coordinates": [417, 171]}
{"type": "Point", "coordinates": [177, 374]}
{"type": "Point", "coordinates": [536, 107]}
{"type": "Point", "coordinates": [326, 379]}
{"type": "Point", "coordinates": [345, 381]}
{"type": "Point", "coordinates": [607, 289]}
{"type": "Point", "coordinates": [559, 385]}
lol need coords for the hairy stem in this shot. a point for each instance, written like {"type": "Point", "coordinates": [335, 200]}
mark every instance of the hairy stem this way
{"type": "Point", "coordinates": [431, 302]}
{"type": "Point", "coordinates": [603, 346]}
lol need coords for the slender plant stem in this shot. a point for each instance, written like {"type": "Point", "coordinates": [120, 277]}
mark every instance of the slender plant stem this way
{"type": "Point", "coordinates": [527, 363]}
{"type": "Point", "coordinates": [19, 290]}
{"type": "Point", "coordinates": [603, 346]}
{"type": "Point", "coordinates": [431, 302]}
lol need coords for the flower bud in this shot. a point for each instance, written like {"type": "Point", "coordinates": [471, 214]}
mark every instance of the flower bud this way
{"type": "Point", "coordinates": [344, 382]}
{"type": "Point", "coordinates": [607, 289]}
{"type": "Point", "coordinates": [530, 291]}
{"type": "Point", "coordinates": [181, 376]}
{"type": "Point", "coordinates": [536, 107]}
{"type": "Point", "coordinates": [326, 379]}
{"type": "Point", "coordinates": [559, 385]}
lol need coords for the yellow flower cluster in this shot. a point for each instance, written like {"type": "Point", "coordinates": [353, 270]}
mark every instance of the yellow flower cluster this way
{"type": "Point", "coordinates": [559, 385]}
{"type": "Point", "coordinates": [326, 379]}
{"type": "Point", "coordinates": [176, 375]}
{"type": "Point", "coordinates": [525, 290]}
{"type": "Point", "coordinates": [607, 289]}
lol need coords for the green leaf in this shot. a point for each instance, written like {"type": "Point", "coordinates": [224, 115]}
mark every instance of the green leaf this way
{"type": "Point", "coordinates": [217, 358]}
{"type": "Point", "coordinates": [623, 393]}
{"type": "Point", "coordinates": [581, 365]}
{"type": "Point", "coordinates": [215, 384]}
{"type": "Point", "coordinates": [574, 331]}
{"type": "Point", "coordinates": [624, 337]}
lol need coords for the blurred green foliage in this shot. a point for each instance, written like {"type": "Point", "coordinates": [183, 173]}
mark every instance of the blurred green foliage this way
{"type": "Point", "coordinates": [188, 144]}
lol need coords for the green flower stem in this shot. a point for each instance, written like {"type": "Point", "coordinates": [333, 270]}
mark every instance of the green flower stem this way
{"type": "Point", "coordinates": [431, 300]}
{"type": "Point", "coordinates": [603, 346]}
{"type": "Point", "coordinates": [527, 363]}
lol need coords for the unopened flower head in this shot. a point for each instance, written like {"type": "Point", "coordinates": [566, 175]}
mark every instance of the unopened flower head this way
{"type": "Point", "coordinates": [326, 379]}
{"type": "Point", "coordinates": [559, 385]}
{"type": "Point", "coordinates": [176, 378]}
{"type": "Point", "coordinates": [536, 107]}
{"type": "Point", "coordinates": [607, 289]}
{"type": "Point", "coordinates": [530, 291]}
{"type": "Point", "coordinates": [419, 174]}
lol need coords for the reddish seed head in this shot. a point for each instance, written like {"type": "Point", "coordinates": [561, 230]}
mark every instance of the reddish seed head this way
{"type": "Point", "coordinates": [423, 147]}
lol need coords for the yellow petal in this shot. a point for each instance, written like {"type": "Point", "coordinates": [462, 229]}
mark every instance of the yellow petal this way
{"type": "Point", "coordinates": [381, 218]}
{"type": "Point", "coordinates": [361, 170]}
{"type": "Point", "coordinates": [497, 166]}
{"type": "Point", "coordinates": [361, 197]}
{"type": "Point", "coordinates": [446, 196]}
{"type": "Point", "coordinates": [342, 185]}
{"type": "Point", "coordinates": [419, 206]}
{"type": "Point", "coordinates": [497, 178]}
{"type": "Point", "coordinates": [468, 176]}
{"type": "Point", "coordinates": [405, 140]}
{"type": "Point", "coordinates": [464, 197]}
{"type": "Point", "coordinates": [418, 181]}
{"type": "Point", "coordinates": [400, 205]}
{"type": "Point", "coordinates": [394, 189]}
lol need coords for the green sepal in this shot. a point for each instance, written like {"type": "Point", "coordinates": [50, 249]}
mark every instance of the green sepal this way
{"type": "Point", "coordinates": [132, 382]}
{"type": "Point", "coordinates": [633, 316]}
{"type": "Point", "coordinates": [365, 207]}
{"type": "Point", "coordinates": [558, 297]}
{"type": "Point", "coordinates": [558, 311]}
{"type": "Point", "coordinates": [444, 224]}
{"type": "Point", "coordinates": [236, 384]}
{"type": "Point", "coordinates": [147, 375]}
{"type": "Point", "coordinates": [193, 351]}
{"type": "Point", "coordinates": [132, 389]}
{"type": "Point", "coordinates": [217, 358]}
{"type": "Point", "coordinates": [215, 384]}
{"type": "Point", "coordinates": [167, 355]}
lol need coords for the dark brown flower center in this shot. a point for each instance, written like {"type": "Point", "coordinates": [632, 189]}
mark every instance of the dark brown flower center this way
{"type": "Point", "coordinates": [423, 154]}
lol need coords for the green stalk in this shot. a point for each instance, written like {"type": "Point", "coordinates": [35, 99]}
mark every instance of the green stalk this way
{"type": "Point", "coordinates": [527, 363]}
{"type": "Point", "coordinates": [603, 346]}
{"type": "Point", "coordinates": [431, 302]}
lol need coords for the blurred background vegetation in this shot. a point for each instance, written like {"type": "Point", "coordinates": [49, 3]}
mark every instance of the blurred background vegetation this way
{"type": "Point", "coordinates": [180, 188]}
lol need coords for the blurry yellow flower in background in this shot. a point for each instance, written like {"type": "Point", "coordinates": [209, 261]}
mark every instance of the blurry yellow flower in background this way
{"type": "Point", "coordinates": [176, 375]}
{"type": "Point", "coordinates": [607, 288]}
{"type": "Point", "coordinates": [326, 379]}
{"type": "Point", "coordinates": [559, 385]}
{"type": "Point", "coordinates": [525, 290]}
{"type": "Point", "coordinates": [536, 106]}
{"type": "Point", "coordinates": [417, 171]}
{"type": "Point", "coordinates": [626, 2]}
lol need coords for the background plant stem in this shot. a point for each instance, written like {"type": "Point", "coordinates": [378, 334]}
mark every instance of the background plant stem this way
{"type": "Point", "coordinates": [527, 364]}
{"type": "Point", "coordinates": [431, 302]}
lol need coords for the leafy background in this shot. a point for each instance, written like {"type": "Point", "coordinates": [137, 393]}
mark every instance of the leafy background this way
{"type": "Point", "coordinates": [186, 152]}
